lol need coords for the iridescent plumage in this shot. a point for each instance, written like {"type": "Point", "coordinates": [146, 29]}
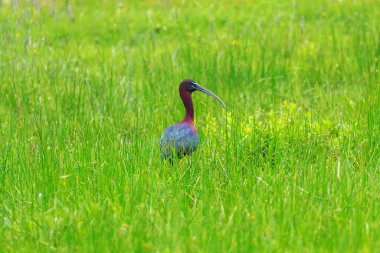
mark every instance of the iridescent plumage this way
{"type": "Point", "coordinates": [179, 139]}
{"type": "Point", "coordinates": [182, 138]}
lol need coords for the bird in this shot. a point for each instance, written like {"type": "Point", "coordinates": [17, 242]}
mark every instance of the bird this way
{"type": "Point", "coordinates": [182, 138]}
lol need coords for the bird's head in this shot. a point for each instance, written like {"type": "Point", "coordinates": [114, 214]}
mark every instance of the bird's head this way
{"type": "Point", "coordinates": [189, 86]}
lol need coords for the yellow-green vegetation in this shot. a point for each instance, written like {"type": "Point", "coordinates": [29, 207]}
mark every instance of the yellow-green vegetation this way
{"type": "Point", "coordinates": [87, 87]}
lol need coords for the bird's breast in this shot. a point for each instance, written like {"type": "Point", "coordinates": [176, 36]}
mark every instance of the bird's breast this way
{"type": "Point", "coordinates": [179, 139]}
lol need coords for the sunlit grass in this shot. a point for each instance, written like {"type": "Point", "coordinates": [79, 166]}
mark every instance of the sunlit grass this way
{"type": "Point", "coordinates": [87, 88]}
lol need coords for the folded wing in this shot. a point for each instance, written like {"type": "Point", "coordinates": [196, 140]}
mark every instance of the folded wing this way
{"type": "Point", "coordinates": [179, 140]}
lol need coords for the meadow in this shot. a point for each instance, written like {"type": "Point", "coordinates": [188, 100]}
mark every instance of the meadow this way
{"type": "Point", "coordinates": [88, 87]}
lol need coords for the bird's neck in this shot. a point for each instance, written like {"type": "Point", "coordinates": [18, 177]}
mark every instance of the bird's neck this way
{"type": "Point", "coordinates": [188, 103]}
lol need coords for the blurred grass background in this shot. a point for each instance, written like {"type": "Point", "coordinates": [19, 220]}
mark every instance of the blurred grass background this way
{"type": "Point", "coordinates": [87, 88]}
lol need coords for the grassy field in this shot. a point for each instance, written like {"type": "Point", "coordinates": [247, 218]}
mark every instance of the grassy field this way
{"type": "Point", "coordinates": [292, 164]}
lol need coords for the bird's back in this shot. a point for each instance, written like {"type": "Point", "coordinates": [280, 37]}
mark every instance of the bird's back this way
{"type": "Point", "coordinates": [179, 140]}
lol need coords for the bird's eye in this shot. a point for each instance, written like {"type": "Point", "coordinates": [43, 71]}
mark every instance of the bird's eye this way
{"type": "Point", "coordinates": [193, 85]}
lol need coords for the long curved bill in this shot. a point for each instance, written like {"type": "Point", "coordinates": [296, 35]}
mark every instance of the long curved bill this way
{"type": "Point", "coordinates": [204, 90]}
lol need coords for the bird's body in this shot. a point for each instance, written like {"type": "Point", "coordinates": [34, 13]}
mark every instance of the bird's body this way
{"type": "Point", "coordinates": [182, 138]}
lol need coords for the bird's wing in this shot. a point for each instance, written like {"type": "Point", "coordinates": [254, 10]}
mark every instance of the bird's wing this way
{"type": "Point", "coordinates": [176, 132]}
{"type": "Point", "coordinates": [181, 138]}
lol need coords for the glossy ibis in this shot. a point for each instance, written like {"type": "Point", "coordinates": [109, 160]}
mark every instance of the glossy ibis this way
{"type": "Point", "coordinates": [182, 138]}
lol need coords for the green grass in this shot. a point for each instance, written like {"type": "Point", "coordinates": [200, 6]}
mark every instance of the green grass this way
{"type": "Point", "coordinates": [292, 165]}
